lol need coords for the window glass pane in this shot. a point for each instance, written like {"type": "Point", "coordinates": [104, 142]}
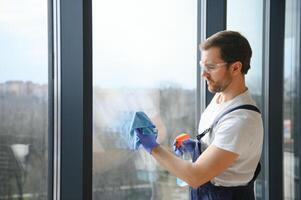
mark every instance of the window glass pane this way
{"type": "Point", "coordinates": [291, 131]}
{"type": "Point", "coordinates": [23, 99]}
{"type": "Point", "coordinates": [144, 59]}
{"type": "Point", "coordinates": [250, 24]}
{"type": "Point", "coordinates": [237, 19]}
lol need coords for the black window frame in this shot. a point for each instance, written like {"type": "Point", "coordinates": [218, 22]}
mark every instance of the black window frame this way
{"type": "Point", "coordinates": [70, 145]}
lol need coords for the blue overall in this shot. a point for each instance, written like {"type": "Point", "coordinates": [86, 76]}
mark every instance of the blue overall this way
{"type": "Point", "coordinates": [208, 191]}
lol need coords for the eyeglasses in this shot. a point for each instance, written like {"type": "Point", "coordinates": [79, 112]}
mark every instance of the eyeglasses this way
{"type": "Point", "coordinates": [210, 67]}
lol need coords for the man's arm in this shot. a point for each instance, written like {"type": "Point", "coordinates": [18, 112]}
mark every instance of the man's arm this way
{"type": "Point", "coordinates": [211, 163]}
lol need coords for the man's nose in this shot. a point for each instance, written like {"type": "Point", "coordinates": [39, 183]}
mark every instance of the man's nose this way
{"type": "Point", "coordinates": [204, 73]}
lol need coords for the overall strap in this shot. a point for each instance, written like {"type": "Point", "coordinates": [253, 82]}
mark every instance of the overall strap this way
{"type": "Point", "coordinates": [245, 106]}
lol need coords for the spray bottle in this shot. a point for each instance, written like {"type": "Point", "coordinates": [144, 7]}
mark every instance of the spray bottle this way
{"type": "Point", "coordinates": [185, 156]}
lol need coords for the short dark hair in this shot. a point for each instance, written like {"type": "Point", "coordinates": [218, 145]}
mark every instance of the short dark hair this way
{"type": "Point", "coordinates": [233, 47]}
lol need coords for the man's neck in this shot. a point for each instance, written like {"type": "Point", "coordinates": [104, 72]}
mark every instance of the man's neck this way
{"type": "Point", "coordinates": [233, 90]}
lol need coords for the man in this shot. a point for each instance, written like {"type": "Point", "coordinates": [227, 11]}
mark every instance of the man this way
{"type": "Point", "coordinates": [232, 138]}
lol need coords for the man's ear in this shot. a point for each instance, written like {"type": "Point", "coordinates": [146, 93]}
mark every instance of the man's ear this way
{"type": "Point", "coordinates": [236, 67]}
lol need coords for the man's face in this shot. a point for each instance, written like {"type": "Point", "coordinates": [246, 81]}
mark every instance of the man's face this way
{"type": "Point", "coordinates": [215, 71]}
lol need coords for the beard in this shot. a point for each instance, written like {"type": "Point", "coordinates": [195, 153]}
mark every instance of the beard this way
{"type": "Point", "coordinates": [219, 86]}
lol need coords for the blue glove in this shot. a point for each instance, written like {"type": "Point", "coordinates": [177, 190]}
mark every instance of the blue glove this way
{"type": "Point", "coordinates": [148, 141]}
{"type": "Point", "coordinates": [187, 145]}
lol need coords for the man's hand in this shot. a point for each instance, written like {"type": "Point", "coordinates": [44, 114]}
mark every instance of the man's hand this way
{"type": "Point", "coordinates": [187, 145]}
{"type": "Point", "coordinates": [148, 141]}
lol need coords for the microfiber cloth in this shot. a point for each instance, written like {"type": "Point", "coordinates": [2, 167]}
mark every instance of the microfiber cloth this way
{"type": "Point", "coordinates": [140, 120]}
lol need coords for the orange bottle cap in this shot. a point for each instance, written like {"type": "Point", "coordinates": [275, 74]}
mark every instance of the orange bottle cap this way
{"type": "Point", "coordinates": [180, 138]}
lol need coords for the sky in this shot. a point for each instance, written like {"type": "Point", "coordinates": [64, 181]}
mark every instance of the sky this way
{"type": "Point", "coordinates": [24, 40]}
{"type": "Point", "coordinates": [144, 43]}
{"type": "Point", "coordinates": [136, 43]}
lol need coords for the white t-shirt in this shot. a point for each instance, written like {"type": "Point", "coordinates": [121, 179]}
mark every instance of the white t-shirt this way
{"type": "Point", "coordinates": [240, 131]}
